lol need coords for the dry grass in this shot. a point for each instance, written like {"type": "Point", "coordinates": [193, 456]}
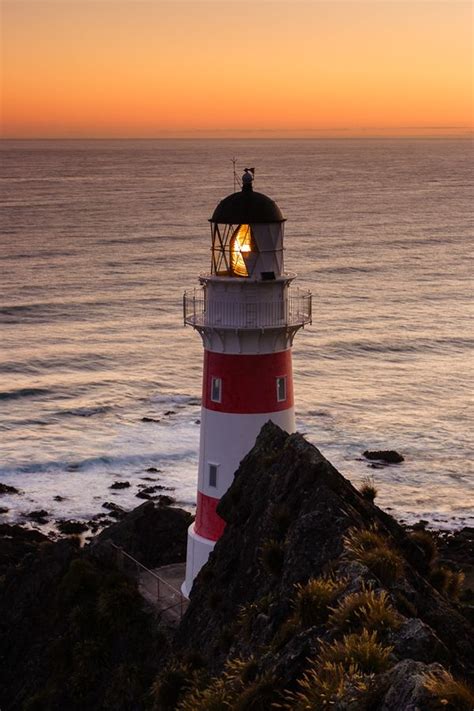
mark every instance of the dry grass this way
{"type": "Point", "coordinates": [369, 547]}
{"type": "Point", "coordinates": [368, 489]}
{"type": "Point", "coordinates": [427, 543]}
{"type": "Point", "coordinates": [453, 695]}
{"type": "Point", "coordinates": [362, 650]}
{"type": "Point", "coordinates": [241, 687]}
{"type": "Point", "coordinates": [447, 581]}
{"type": "Point", "coordinates": [365, 610]}
{"type": "Point", "coordinates": [321, 687]}
{"type": "Point", "coordinates": [312, 600]}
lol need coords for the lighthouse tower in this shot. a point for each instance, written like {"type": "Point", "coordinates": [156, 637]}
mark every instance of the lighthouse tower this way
{"type": "Point", "coordinates": [247, 314]}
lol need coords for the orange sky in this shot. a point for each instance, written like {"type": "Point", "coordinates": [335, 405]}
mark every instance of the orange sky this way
{"type": "Point", "coordinates": [146, 68]}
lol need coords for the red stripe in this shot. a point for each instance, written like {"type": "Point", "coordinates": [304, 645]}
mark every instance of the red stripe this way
{"type": "Point", "coordinates": [208, 524]}
{"type": "Point", "coordinates": [248, 382]}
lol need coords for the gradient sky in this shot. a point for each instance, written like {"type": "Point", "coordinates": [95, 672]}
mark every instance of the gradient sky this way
{"type": "Point", "coordinates": [146, 68]}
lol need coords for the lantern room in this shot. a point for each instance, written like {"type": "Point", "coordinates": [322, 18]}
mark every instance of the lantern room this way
{"type": "Point", "coordinates": [247, 235]}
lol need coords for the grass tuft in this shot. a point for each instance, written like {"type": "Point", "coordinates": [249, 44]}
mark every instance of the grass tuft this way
{"type": "Point", "coordinates": [362, 650]}
{"type": "Point", "coordinates": [249, 612]}
{"type": "Point", "coordinates": [427, 543]}
{"type": "Point", "coordinates": [453, 695]}
{"type": "Point", "coordinates": [365, 610]}
{"type": "Point", "coordinates": [369, 547]}
{"type": "Point", "coordinates": [368, 489]}
{"type": "Point", "coordinates": [322, 686]}
{"type": "Point", "coordinates": [447, 581]}
{"type": "Point", "coordinates": [312, 600]}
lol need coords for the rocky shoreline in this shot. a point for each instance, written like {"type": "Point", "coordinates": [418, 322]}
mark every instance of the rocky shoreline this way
{"type": "Point", "coordinates": [313, 596]}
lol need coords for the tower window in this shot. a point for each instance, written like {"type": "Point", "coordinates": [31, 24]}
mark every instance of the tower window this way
{"type": "Point", "coordinates": [213, 474]}
{"type": "Point", "coordinates": [216, 389]}
{"type": "Point", "coordinates": [281, 388]}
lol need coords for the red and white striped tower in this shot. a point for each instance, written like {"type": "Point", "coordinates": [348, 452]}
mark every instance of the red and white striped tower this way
{"type": "Point", "coordinates": [247, 316]}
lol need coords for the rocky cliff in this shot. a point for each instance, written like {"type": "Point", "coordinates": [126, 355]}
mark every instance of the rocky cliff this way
{"type": "Point", "coordinates": [313, 598]}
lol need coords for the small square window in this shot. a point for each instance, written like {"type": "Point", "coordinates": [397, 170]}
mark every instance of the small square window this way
{"type": "Point", "coordinates": [216, 389]}
{"type": "Point", "coordinates": [213, 475]}
{"type": "Point", "coordinates": [281, 389]}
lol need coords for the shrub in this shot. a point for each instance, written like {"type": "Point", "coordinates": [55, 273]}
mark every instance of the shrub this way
{"type": "Point", "coordinates": [273, 556]}
{"type": "Point", "coordinates": [322, 686]}
{"type": "Point", "coordinates": [365, 610]}
{"type": "Point", "coordinates": [368, 489]}
{"type": "Point", "coordinates": [427, 543]}
{"type": "Point", "coordinates": [362, 650]}
{"type": "Point", "coordinates": [312, 600]}
{"type": "Point", "coordinates": [452, 694]}
{"type": "Point", "coordinates": [373, 550]}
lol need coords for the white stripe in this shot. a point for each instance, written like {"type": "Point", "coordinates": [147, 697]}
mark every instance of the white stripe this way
{"type": "Point", "coordinates": [225, 440]}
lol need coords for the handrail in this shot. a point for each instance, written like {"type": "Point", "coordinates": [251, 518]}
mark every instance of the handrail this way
{"type": "Point", "coordinates": [160, 581]}
{"type": "Point", "coordinates": [292, 311]}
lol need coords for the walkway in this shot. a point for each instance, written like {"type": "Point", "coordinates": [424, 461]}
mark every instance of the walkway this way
{"type": "Point", "coordinates": [161, 587]}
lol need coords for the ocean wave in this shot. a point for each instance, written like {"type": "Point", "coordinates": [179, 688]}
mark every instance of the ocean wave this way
{"type": "Point", "coordinates": [111, 464]}
{"type": "Point", "coordinates": [24, 393]}
{"type": "Point", "coordinates": [341, 349]}
{"type": "Point", "coordinates": [84, 411]}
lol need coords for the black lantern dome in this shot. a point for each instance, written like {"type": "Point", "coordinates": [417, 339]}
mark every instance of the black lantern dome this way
{"type": "Point", "coordinates": [247, 207]}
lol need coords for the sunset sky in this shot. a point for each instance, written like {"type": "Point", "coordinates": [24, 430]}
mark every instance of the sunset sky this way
{"type": "Point", "coordinates": [146, 68]}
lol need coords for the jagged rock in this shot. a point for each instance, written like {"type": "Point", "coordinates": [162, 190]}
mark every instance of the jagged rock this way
{"type": "Point", "coordinates": [120, 485]}
{"type": "Point", "coordinates": [6, 489]}
{"type": "Point", "coordinates": [4, 510]}
{"type": "Point", "coordinates": [402, 689]}
{"type": "Point", "coordinates": [150, 419]}
{"type": "Point", "coordinates": [415, 640]}
{"type": "Point", "coordinates": [154, 535]}
{"type": "Point", "coordinates": [389, 456]}
{"type": "Point", "coordinates": [153, 470]}
{"type": "Point", "coordinates": [59, 498]}
{"type": "Point", "coordinates": [286, 492]}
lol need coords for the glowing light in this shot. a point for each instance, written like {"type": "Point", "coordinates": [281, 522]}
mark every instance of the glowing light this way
{"type": "Point", "coordinates": [240, 244]}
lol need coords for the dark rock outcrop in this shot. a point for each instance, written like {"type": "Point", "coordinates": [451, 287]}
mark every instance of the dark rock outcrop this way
{"type": "Point", "coordinates": [154, 535]}
{"type": "Point", "coordinates": [389, 456]}
{"type": "Point", "coordinates": [6, 489]}
{"type": "Point", "coordinates": [291, 518]}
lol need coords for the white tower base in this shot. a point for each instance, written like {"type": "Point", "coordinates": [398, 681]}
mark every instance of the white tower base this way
{"type": "Point", "coordinates": [198, 552]}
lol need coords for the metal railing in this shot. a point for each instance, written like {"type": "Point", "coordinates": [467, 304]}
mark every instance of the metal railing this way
{"type": "Point", "coordinates": [151, 585]}
{"type": "Point", "coordinates": [293, 311]}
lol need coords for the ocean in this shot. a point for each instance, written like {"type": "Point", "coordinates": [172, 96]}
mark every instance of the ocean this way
{"type": "Point", "coordinates": [100, 238]}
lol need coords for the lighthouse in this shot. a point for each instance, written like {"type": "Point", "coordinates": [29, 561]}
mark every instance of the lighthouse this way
{"type": "Point", "coordinates": [247, 313]}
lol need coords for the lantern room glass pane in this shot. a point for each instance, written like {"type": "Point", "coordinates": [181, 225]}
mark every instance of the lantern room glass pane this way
{"type": "Point", "coordinates": [240, 244]}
